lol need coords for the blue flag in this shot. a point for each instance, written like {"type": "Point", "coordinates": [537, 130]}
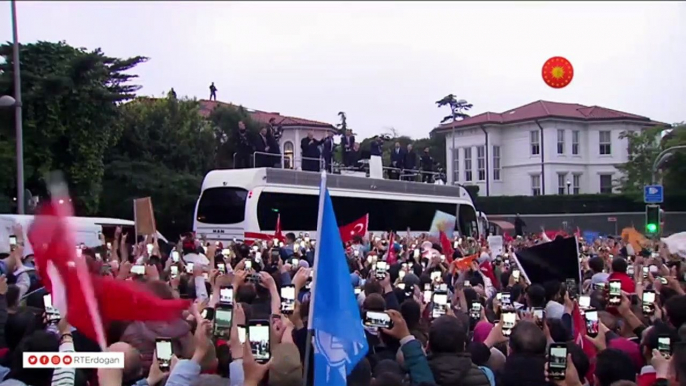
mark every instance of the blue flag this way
{"type": "Point", "coordinates": [339, 338]}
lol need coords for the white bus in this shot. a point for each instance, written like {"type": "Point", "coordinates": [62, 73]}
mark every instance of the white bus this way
{"type": "Point", "coordinates": [233, 202]}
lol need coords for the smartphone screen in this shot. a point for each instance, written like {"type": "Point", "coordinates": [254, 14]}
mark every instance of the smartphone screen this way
{"type": "Point", "coordinates": [258, 333]}
{"type": "Point", "coordinates": [427, 295]}
{"type": "Point", "coordinates": [242, 332]}
{"type": "Point", "coordinates": [248, 265]}
{"type": "Point", "coordinates": [163, 350]}
{"type": "Point", "coordinates": [648, 302]}
{"type": "Point", "coordinates": [505, 299]}
{"type": "Point", "coordinates": [226, 295]}
{"type": "Point", "coordinates": [381, 268]}
{"type": "Point", "coordinates": [435, 276]}
{"type": "Point", "coordinates": [591, 317]}
{"type": "Point", "coordinates": [557, 361]}
{"type": "Point", "coordinates": [189, 267]}
{"type": "Point", "coordinates": [174, 271]}
{"type": "Point", "coordinates": [13, 241]}
{"type": "Point", "coordinates": [664, 346]}
{"type": "Point", "coordinates": [401, 274]}
{"type": "Point", "coordinates": [440, 306]}
{"type": "Point", "coordinates": [615, 297]}
{"type": "Point", "coordinates": [175, 256]}
{"type": "Point", "coordinates": [357, 290]}
{"type": "Point", "coordinates": [51, 312]}
{"type": "Point", "coordinates": [475, 310]}
{"type": "Point", "coordinates": [416, 253]}
{"type": "Point", "coordinates": [539, 316]}
{"type": "Point", "coordinates": [572, 288]}
{"type": "Point", "coordinates": [515, 274]}
{"type": "Point", "coordinates": [509, 319]}
{"type": "Point", "coordinates": [150, 247]}
{"type": "Point", "coordinates": [584, 301]}
{"type": "Point", "coordinates": [207, 314]}
{"type": "Point", "coordinates": [377, 319]}
{"type": "Point", "coordinates": [138, 269]}
{"type": "Point", "coordinates": [288, 299]}
{"type": "Point", "coordinates": [295, 262]}
{"type": "Point", "coordinates": [226, 252]}
{"type": "Point", "coordinates": [645, 271]}
{"type": "Point", "coordinates": [221, 267]}
{"type": "Point", "coordinates": [222, 321]}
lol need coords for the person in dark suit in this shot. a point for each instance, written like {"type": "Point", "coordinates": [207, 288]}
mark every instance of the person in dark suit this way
{"type": "Point", "coordinates": [356, 155]}
{"type": "Point", "coordinates": [397, 161]}
{"type": "Point", "coordinates": [274, 150]}
{"type": "Point", "coordinates": [310, 153]}
{"type": "Point", "coordinates": [244, 149]}
{"type": "Point", "coordinates": [426, 163]}
{"type": "Point", "coordinates": [410, 161]}
{"type": "Point", "coordinates": [348, 145]}
{"type": "Point", "coordinates": [375, 146]}
{"type": "Point", "coordinates": [328, 147]}
{"type": "Point", "coordinates": [261, 149]}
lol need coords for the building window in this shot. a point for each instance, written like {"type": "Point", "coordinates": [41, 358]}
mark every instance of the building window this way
{"type": "Point", "coordinates": [535, 139]}
{"type": "Point", "coordinates": [288, 155]}
{"type": "Point", "coordinates": [576, 184]}
{"type": "Point", "coordinates": [560, 141]}
{"type": "Point", "coordinates": [467, 164]}
{"type": "Point", "coordinates": [606, 183]}
{"type": "Point", "coordinates": [575, 142]}
{"type": "Point", "coordinates": [536, 185]}
{"type": "Point", "coordinates": [561, 183]}
{"type": "Point", "coordinates": [605, 143]}
{"type": "Point", "coordinates": [496, 163]}
{"type": "Point", "coordinates": [456, 165]}
{"type": "Point", "coordinates": [481, 162]}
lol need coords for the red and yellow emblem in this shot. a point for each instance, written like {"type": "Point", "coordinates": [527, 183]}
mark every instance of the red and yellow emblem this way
{"type": "Point", "coordinates": [557, 72]}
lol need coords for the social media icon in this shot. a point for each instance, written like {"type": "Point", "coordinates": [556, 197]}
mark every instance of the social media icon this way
{"type": "Point", "coordinates": [66, 360]}
{"type": "Point", "coordinates": [55, 360]}
{"type": "Point", "coordinates": [44, 359]}
{"type": "Point", "coordinates": [33, 360]}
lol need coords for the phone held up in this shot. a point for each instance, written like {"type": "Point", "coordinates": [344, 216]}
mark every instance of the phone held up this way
{"type": "Point", "coordinates": [164, 352]}
{"type": "Point", "coordinates": [557, 361]}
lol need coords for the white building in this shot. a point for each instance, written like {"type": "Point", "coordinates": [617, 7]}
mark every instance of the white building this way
{"type": "Point", "coordinates": [294, 129]}
{"type": "Point", "coordinates": [540, 148]}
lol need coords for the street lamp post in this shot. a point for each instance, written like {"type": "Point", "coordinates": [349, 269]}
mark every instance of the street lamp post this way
{"type": "Point", "coordinates": [661, 158]}
{"type": "Point", "coordinates": [569, 184]}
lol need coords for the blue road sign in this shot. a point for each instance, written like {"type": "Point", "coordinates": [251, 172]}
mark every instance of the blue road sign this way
{"type": "Point", "coordinates": [653, 194]}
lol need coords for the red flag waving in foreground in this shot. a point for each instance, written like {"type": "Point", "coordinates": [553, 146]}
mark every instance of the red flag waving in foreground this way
{"type": "Point", "coordinates": [89, 301]}
{"type": "Point", "coordinates": [392, 257]}
{"type": "Point", "coordinates": [355, 228]}
{"type": "Point", "coordinates": [447, 248]}
{"type": "Point", "coordinates": [278, 233]}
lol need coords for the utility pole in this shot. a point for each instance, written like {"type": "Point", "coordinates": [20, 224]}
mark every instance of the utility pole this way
{"type": "Point", "coordinates": [17, 112]}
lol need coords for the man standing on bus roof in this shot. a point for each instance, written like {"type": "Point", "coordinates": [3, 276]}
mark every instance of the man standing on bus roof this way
{"type": "Point", "coordinates": [328, 147]}
{"type": "Point", "coordinates": [310, 153]}
{"type": "Point", "coordinates": [244, 148]}
{"type": "Point", "coordinates": [262, 149]}
{"type": "Point", "coordinates": [348, 144]}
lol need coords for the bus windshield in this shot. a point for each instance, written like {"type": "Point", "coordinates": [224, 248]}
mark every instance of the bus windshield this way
{"type": "Point", "coordinates": [222, 206]}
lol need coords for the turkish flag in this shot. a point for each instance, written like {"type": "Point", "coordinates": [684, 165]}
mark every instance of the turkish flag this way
{"type": "Point", "coordinates": [487, 268]}
{"type": "Point", "coordinates": [445, 245]}
{"type": "Point", "coordinates": [579, 331]}
{"type": "Point", "coordinates": [89, 301]}
{"type": "Point", "coordinates": [278, 234]}
{"type": "Point", "coordinates": [392, 257]}
{"type": "Point", "coordinates": [355, 228]}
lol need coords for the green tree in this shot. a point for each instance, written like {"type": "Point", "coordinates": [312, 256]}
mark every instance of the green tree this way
{"type": "Point", "coordinates": [644, 146]}
{"type": "Point", "coordinates": [165, 150]}
{"type": "Point", "coordinates": [673, 170]}
{"type": "Point", "coordinates": [71, 114]}
{"type": "Point", "coordinates": [458, 108]}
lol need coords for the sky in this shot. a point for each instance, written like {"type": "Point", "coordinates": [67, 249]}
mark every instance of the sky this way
{"type": "Point", "coordinates": [384, 63]}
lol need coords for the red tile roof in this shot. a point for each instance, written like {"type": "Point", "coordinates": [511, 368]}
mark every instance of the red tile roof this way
{"type": "Point", "coordinates": [545, 109]}
{"type": "Point", "coordinates": [207, 106]}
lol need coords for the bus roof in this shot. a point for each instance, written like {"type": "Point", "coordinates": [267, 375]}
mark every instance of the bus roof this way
{"type": "Point", "coordinates": [272, 176]}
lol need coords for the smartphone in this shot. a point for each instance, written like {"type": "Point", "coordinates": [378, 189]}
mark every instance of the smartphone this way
{"type": "Point", "coordinates": [664, 346]}
{"type": "Point", "coordinates": [248, 265]}
{"type": "Point", "coordinates": [515, 274]}
{"type": "Point", "coordinates": [456, 244]}
{"type": "Point", "coordinates": [207, 313]}
{"type": "Point", "coordinates": [509, 318]}
{"type": "Point", "coordinates": [174, 271]}
{"type": "Point", "coordinates": [630, 270]}
{"type": "Point", "coordinates": [427, 296]}
{"type": "Point", "coordinates": [416, 253]}
{"type": "Point", "coordinates": [150, 247]}
{"type": "Point", "coordinates": [13, 241]}
{"type": "Point", "coordinates": [226, 252]}
{"type": "Point", "coordinates": [645, 270]}
{"type": "Point", "coordinates": [109, 246]}
{"type": "Point", "coordinates": [615, 294]}
{"type": "Point", "coordinates": [539, 316]}
{"type": "Point", "coordinates": [221, 267]}
{"type": "Point", "coordinates": [223, 317]}
{"type": "Point", "coordinates": [226, 296]}
{"type": "Point", "coordinates": [648, 301]}
{"type": "Point", "coordinates": [357, 290]}
{"type": "Point", "coordinates": [584, 302]}
{"type": "Point", "coordinates": [138, 269]}
{"type": "Point", "coordinates": [435, 276]}
{"type": "Point", "coordinates": [591, 317]}
{"type": "Point", "coordinates": [401, 274]}
{"type": "Point", "coordinates": [401, 286]}
{"type": "Point", "coordinates": [356, 253]}
{"type": "Point", "coordinates": [163, 350]}
{"type": "Point", "coordinates": [52, 313]}
{"type": "Point", "coordinates": [505, 299]}
{"type": "Point", "coordinates": [377, 319]}
{"type": "Point", "coordinates": [258, 257]}
{"type": "Point", "coordinates": [380, 271]}
{"type": "Point", "coordinates": [175, 256]}
{"type": "Point", "coordinates": [242, 332]}
{"type": "Point", "coordinates": [258, 334]}
{"type": "Point", "coordinates": [557, 361]}
{"type": "Point", "coordinates": [295, 262]}
{"type": "Point", "coordinates": [440, 306]}
{"type": "Point", "coordinates": [189, 267]}
{"type": "Point", "coordinates": [572, 288]}
{"type": "Point", "coordinates": [475, 310]}
{"type": "Point", "coordinates": [98, 256]}
{"type": "Point", "coordinates": [288, 299]}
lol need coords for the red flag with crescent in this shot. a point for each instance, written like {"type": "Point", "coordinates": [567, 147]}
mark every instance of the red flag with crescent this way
{"type": "Point", "coordinates": [355, 228]}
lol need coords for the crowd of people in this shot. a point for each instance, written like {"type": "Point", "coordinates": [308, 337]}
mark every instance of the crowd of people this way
{"type": "Point", "coordinates": [449, 324]}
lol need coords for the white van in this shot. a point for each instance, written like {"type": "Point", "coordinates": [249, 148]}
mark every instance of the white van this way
{"type": "Point", "coordinates": [86, 230]}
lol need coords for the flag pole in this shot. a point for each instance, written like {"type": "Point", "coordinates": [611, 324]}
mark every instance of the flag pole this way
{"type": "Point", "coordinates": [317, 249]}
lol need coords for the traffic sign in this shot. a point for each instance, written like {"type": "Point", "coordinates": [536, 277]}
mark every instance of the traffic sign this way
{"type": "Point", "coordinates": [612, 219]}
{"type": "Point", "coordinates": [653, 194]}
